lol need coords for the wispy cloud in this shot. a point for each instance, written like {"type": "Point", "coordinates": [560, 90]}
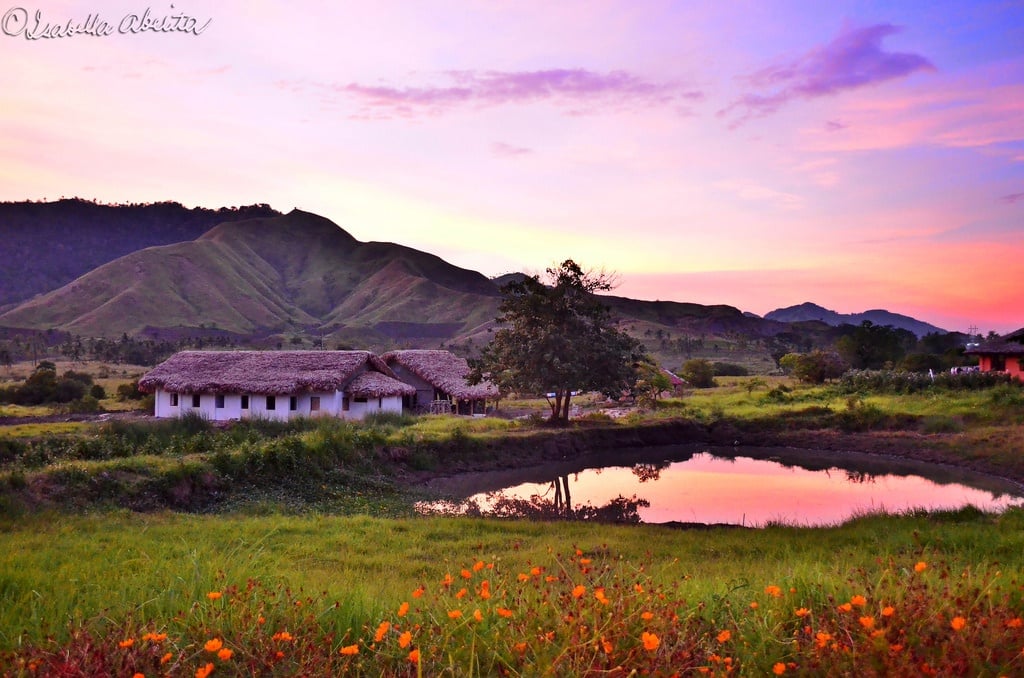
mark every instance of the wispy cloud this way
{"type": "Point", "coordinates": [855, 58]}
{"type": "Point", "coordinates": [835, 125]}
{"type": "Point", "coordinates": [580, 90]}
{"type": "Point", "coordinates": [1012, 198]}
{"type": "Point", "coordinates": [502, 149]}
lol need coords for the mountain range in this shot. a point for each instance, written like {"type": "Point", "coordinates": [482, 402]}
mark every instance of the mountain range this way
{"type": "Point", "coordinates": [809, 311]}
{"type": "Point", "coordinates": [257, 274]}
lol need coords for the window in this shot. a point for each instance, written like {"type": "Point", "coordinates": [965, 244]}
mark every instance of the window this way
{"type": "Point", "coordinates": [293, 403]}
{"type": "Point", "coordinates": [998, 363]}
{"type": "Point", "coordinates": [195, 400]}
{"type": "Point", "coordinates": [314, 403]}
{"type": "Point", "coordinates": [344, 403]}
{"type": "Point", "coordinates": [380, 402]}
{"type": "Point", "coordinates": [245, 402]}
{"type": "Point", "coordinates": [174, 400]}
{"type": "Point", "coordinates": [360, 400]}
{"type": "Point", "coordinates": [271, 402]}
{"type": "Point", "coordinates": [218, 401]}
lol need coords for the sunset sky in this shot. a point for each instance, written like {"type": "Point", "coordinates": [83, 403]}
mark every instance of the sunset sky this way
{"type": "Point", "coordinates": [758, 154]}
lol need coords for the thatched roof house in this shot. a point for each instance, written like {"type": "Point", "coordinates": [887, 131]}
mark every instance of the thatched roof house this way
{"type": "Point", "coordinates": [1000, 355]}
{"type": "Point", "coordinates": [239, 384]}
{"type": "Point", "coordinates": [440, 376]}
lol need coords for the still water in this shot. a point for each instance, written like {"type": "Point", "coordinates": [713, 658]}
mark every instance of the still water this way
{"type": "Point", "coordinates": [741, 486]}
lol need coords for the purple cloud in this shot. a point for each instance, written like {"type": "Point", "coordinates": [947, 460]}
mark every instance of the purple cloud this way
{"type": "Point", "coordinates": [835, 125]}
{"type": "Point", "coordinates": [502, 149]}
{"type": "Point", "coordinates": [854, 59]}
{"type": "Point", "coordinates": [1012, 198]}
{"type": "Point", "coordinates": [581, 90]}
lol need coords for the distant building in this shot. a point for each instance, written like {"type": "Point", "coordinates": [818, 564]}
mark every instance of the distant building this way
{"type": "Point", "coordinates": [281, 385]}
{"type": "Point", "coordinates": [439, 378]}
{"type": "Point", "coordinates": [999, 355]}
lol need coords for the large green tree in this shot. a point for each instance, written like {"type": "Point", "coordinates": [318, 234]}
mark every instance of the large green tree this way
{"type": "Point", "coordinates": [557, 337]}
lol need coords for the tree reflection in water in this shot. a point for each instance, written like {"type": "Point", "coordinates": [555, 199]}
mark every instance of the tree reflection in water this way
{"type": "Point", "coordinates": [649, 471]}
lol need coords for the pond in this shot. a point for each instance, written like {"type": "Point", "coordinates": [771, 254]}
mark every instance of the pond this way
{"type": "Point", "coordinates": [722, 485]}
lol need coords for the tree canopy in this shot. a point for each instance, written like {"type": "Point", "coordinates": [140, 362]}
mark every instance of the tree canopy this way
{"type": "Point", "coordinates": [558, 338]}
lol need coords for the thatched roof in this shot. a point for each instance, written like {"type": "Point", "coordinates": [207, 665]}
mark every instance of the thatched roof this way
{"type": "Point", "coordinates": [375, 385]}
{"type": "Point", "coordinates": [271, 373]}
{"type": "Point", "coordinates": [444, 370]}
{"type": "Point", "coordinates": [997, 347]}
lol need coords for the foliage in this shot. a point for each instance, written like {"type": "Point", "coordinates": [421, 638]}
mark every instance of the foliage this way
{"type": "Point", "coordinates": [815, 367]}
{"type": "Point", "coordinates": [43, 386]}
{"type": "Point", "coordinates": [558, 339]}
{"type": "Point", "coordinates": [897, 381]}
{"type": "Point", "coordinates": [729, 370]}
{"type": "Point", "coordinates": [130, 391]}
{"type": "Point", "coordinates": [699, 373]}
{"type": "Point", "coordinates": [651, 382]}
{"type": "Point", "coordinates": [874, 346]}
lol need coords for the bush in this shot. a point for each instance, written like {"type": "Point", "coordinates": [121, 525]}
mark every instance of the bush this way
{"type": "Point", "coordinates": [98, 392]}
{"type": "Point", "coordinates": [699, 373]}
{"type": "Point", "coordinates": [730, 370]}
{"type": "Point", "coordinates": [815, 367]}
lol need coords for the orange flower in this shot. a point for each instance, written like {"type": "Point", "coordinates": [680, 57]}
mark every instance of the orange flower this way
{"type": "Point", "coordinates": [404, 640]}
{"type": "Point", "coordinates": [650, 641]}
{"type": "Point", "coordinates": [958, 623]}
{"type": "Point", "coordinates": [166, 658]}
{"type": "Point", "coordinates": [801, 612]}
{"type": "Point", "coordinates": [523, 577]}
{"type": "Point", "coordinates": [414, 656]}
{"type": "Point", "coordinates": [754, 605]}
{"type": "Point", "coordinates": [213, 645]}
{"type": "Point", "coordinates": [403, 609]}
{"type": "Point", "coordinates": [779, 668]}
{"type": "Point", "coordinates": [579, 591]}
{"type": "Point", "coordinates": [418, 592]}
{"type": "Point", "coordinates": [599, 594]}
{"type": "Point", "coordinates": [454, 614]}
{"type": "Point", "coordinates": [283, 635]}
{"type": "Point", "coordinates": [858, 601]}
{"type": "Point", "coordinates": [773, 591]}
{"type": "Point", "coordinates": [225, 654]}
{"type": "Point", "coordinates": [821, 638]}
{"type": "Point", "coordinates": [724, 636]}
{"type": "Point", "coordinates": [638, 588]}
{"type": "Point", "coordinates": [845, 607]}
{"type": "Point", "coordinates": [519, 647]}
{"type": "Point", "coordinates": [261, 620]}
{"type": "Point", "coordinates": [461, 594]}
{"type": "Point", "coordinates": [535, 571]}
{"type": "Point", "coordinates": [1015, 623]}
{"type": "Point", "coordinates": [214, 595]}
{"type": "Point", "coordinates": [478, 565]}
{"type": "Point", "coordinates": [551, 578]}
{"type": "Point", "coordinates": [888, 611]}
{"type": "Point", "coordinates": [349, 650]}
{"type": "Point", "coordinates": [382, 630]}
{"type": "Point", "coordinates": [139, 675]}
{"type": "Point", "coordinates": [921, 566]}
{"type": "Point", "coordinates": [606, 645]}
{"type": "Point", "coordinates": [466, 574]}
{"type": "Point", "coordinates": [127, 642]}
{"type": "Point", "coordinates": [647, 616]}
{"type": "Point", "coordinates": [478, 615]}
{"type": "Point", "coordinates": [867, 622]}
{"type": "Point", "coordinates": [204, 671]}
{"type": "Point", "coordinates": [584, 561]}
{"type": "Point", "coordinates": [447, 581]}
{"type": "Point", "coordinates": [504, 612]}
{"type": "Point", "coordinates": [485, 589]}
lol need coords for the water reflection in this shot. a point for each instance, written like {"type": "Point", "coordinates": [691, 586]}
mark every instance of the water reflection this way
{"type": "Point", "coordinates": [749, 486]}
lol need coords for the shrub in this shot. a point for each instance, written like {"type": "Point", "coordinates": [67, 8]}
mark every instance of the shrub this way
{"type": "Point", "coordinates": [730, 370]}
{"type": "Point", "coordinates": [699, 373]}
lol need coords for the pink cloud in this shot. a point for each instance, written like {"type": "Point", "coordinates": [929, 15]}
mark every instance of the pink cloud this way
{"type": "Point", "coordinates": [508, 150]}
{"type": "Point", "coordinates": [854, 59]}
{"type": "Point", "coordinates": [1012, 198]}
{"type": "Point", "coordinates": [573, 87]}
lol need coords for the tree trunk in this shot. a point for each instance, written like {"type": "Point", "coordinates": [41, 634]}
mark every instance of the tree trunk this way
{"type": "Point", "coordinates": [565, 406]}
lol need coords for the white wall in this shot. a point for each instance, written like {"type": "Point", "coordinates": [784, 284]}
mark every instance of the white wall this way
{"type": "Point", "coordinates": [330, 405]}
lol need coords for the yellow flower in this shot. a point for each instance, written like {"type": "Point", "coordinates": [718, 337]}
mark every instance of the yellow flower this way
{"type": "Point", "coordinates": [579, 591]}
{"type": "Point", "coordinates": [382, 630]}
{"type": "Point", "coordinates": [213, 645]}
{"type": "Point", "coordinates": [650, 641]}
{"type": "Point", "coordinates": [724, 636]}
{"type": "Point", "coordinates": [958, 623]}
{"type": "Point", "coordinates": [779, 668]}
{"type": "Point", "coordinates": [414, 656]}
{"type": "Point", "coordinates": [225, 654]}
{"type": "Point", "coordinates": [214, 595]}
{"type": "Point", "coordinates": [349, 650]}
{"type": "Point", "coordinates": [921, 566]}
{"type": "Point", "coordinates": [404, 640]}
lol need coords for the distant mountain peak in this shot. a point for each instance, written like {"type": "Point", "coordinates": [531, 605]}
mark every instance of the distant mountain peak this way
{"type": "Point", "coordinates": [810, 311]}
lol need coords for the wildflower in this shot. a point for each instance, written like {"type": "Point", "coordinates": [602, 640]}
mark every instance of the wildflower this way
{"type": "Point", "coordinates": [867, 622]}
{"type": "Point", "coordinates": [724, 636]}
{"type": "Point", "coordinates": [801, 612]}
{"type": "Point", "coordinates": [349, 650]}
{"type": "Point", "coordinates": [225, 654]}
{"type": "Point", "coordinates": [845, 607]}
{"type": "Point", "coordinates": [404, 640]}
{"type": "Point", "coordinates": [466, 574]}
{"type": "Point", "coordinates": [650, 641]}
{"type": "Point", "coordinates": [139, 675]}
{"type": "Point", "coordinates": [523, 577]}
{"type": "Point", "coordinates": [535, 571]}
{"type": "Point", "coordinates": [1015, 623]}
{"type": "Point", "coordinates": [638, 588]}
{"type": "Point", "coordinates": [958, 623]}
{"type": "Point", "coordinates": [779, 668]}
{"type": "Point", "coordinates": [461, 594]}
{"type": "Point", "coordinates": [454, 614]}
{"type": "Point", "coordinates": [127, 642]}
{"type": "Point", "coordinates": [858, 601]}
{"type": "Point", "coordinates": [261, 620]}
{"type": "Point", "coordinates": [606, 645]}
{"type": "Point", "coordinates": [504, 612]}
{"type": "Point", "coordinates": [584, 561]}
{"type": "Point", "coordinates": [214, 595]}
{"type": "Point", "coordinates": [414, 656]}
{"type": "Point", "coordinates": [599, 594]}
{"type": "Point", "coordinates": [282, 635]}
{"type": "Point", "coordinates": [896, 648]}
{"type": "Point", "coordinates": [213, 645]}
{"type": "Point", "coordinates": [754, 605]}
{"type": "Point", "coordinates": [478, 615]}
{"type": "Point", "coordinates": [888, 611]}
{"type": "Point", "coordinates": [579, 591]}
{"type": "Point", "coordinates": [418, 592]}
{"type": "Point", "coordinates": [647, 616]}
{"type": "Point", "coordinates": [447, 581]}
{"type": "Point", "coordinates": [551, 578]}
{"type": "Point", "coordinates": [485, 589]}
{"type": "Point", "coordinates": [821, 639]}
{"type": "Point", "coordinates": [920, 567]}
{"type": "Point", "coordinates": [773, 591]}
{"type": "Point", "coordinates": [519, 647]}
{"type": "Point", "coordinates": [166, 658]}
{"type": "Point", "coordinates": [478, 565]}
{"type": "Point", "coordinates": [381, 631]}
{"type": "Point", "coordinates": [204, 671]}
{"type": "Point", "coordinates": [279, 654]}
{"type": "Point", "coordinates": [403, 609]}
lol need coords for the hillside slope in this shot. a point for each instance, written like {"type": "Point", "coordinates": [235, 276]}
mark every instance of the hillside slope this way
{"type": "Point", "coordinates": [810, 311]}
